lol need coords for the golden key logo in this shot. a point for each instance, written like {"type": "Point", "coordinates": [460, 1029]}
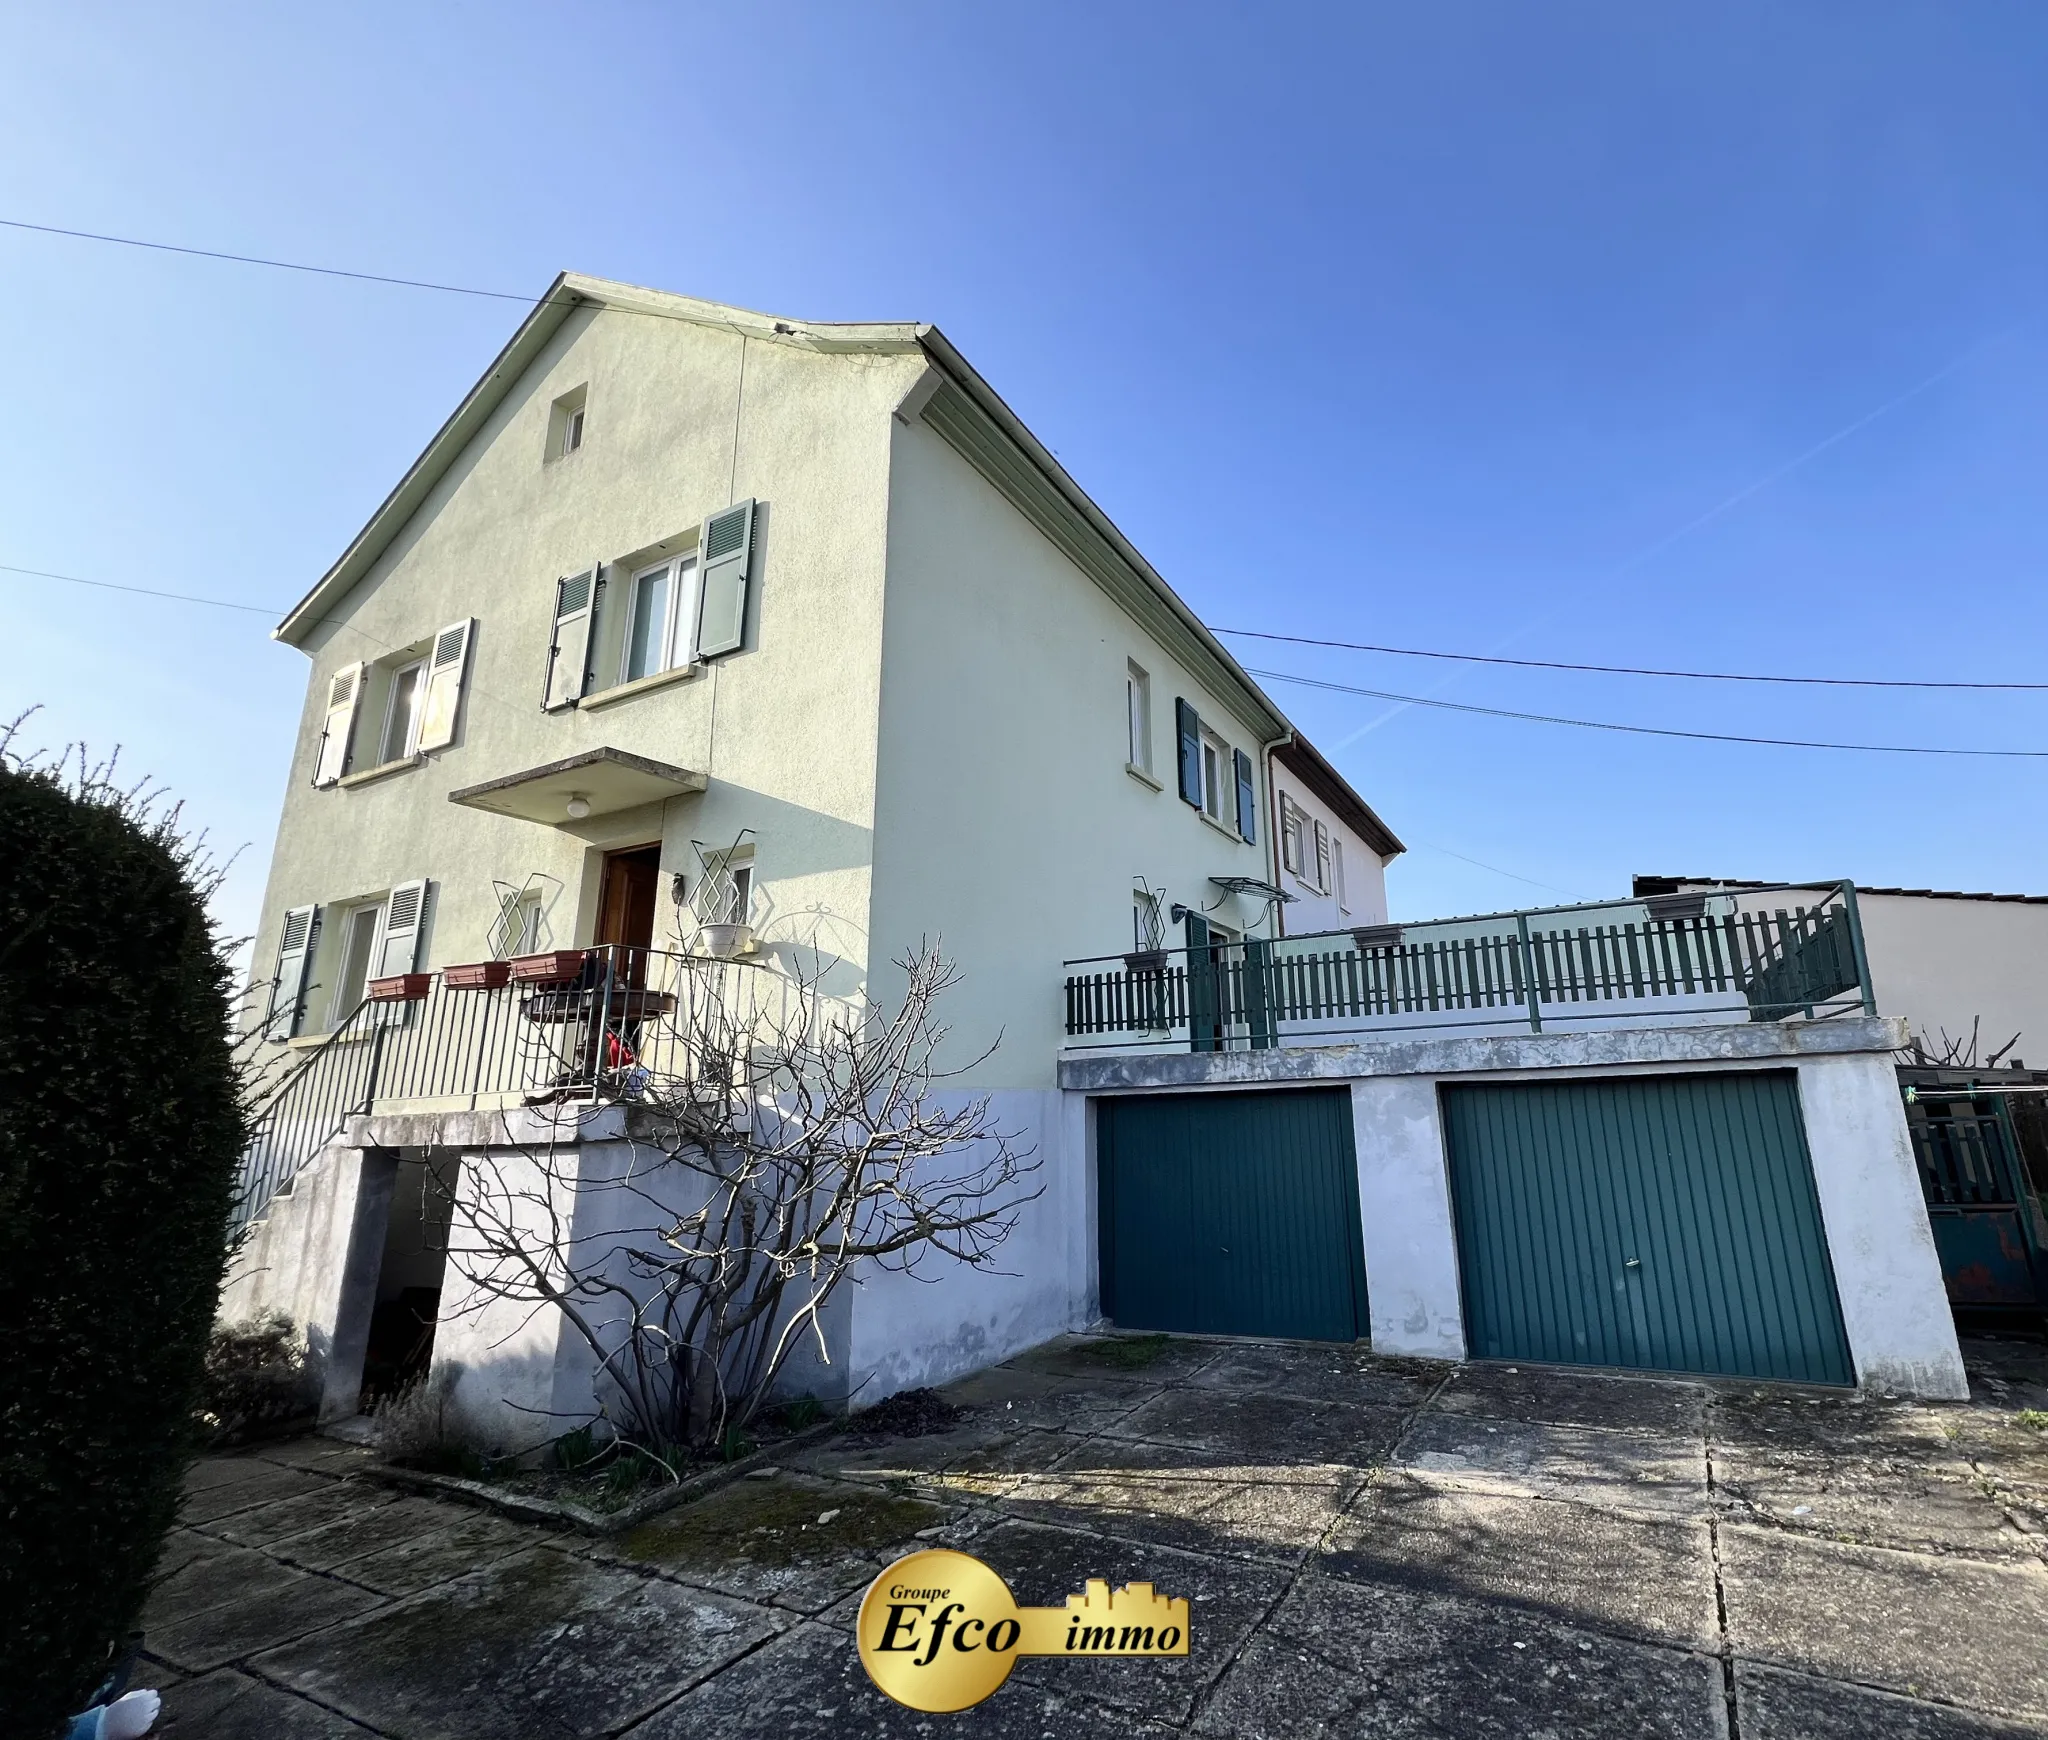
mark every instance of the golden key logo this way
{"type": "Point", "coordinates": [940, 1631]}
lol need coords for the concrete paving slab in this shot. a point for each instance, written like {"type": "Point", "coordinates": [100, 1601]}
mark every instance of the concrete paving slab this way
{"type": "Point", "coordinates": [1129, 1357]}
{"type": "Point", "coordinates": [467, 1542]}
{"type": "Point", "coordinates": [1779, 1706]}
{"type": "Point", "coordinates": [251, 1483]}
{"type": "Point", "coordinates": [1265, 1430]}
{"type": "Point", "coordinates": [317, 1455]}
{"type": "Point", "coordinates": [335, 1501]}
{"type": "Point", "coordinates": [1634, 1576]}
{"type": "Point", "coordinates": [1658, 1473]}
{"type": "Point", "coordinates": [1322, 1372]}
{"type": "Point", "coordinates": [1830, 1423]}
{"type": "Point", "coordinates": [543, 1646]}
{"type": "Point", "coordinates": [1884, 1501]}
{"type": "Point", "coordinates": [809, 1685]}
{"type": "Point", "coordinates": [231, 1706]}
{"type": "Point", "coordinates": [1228, 1598]}
{"type": "Point", "coordinates": [222, 1470]}
{"type": "Point", "coordinates": [203, 1580]}
{"type": "Point", "coordinates": [1999, 1444]}
{"type": "Point", "coordinates": [1342, 1661]}
{"type": "Point", "coordinates": [182, 1547]}
{"type": "Point", "coordinates": [1929, 1627]}
{"type": "Point", "coordinates": [1556, 1396]}
{"type": "Point", "coordinates": [260, 1619]}
{"type": "Point", "coordinates": [794, 1540]}
{"type": "Point", "coordinates": [888, 1461]}
{"type": "Point", "coordinates": [1011, 1396]}
{"type": "Point", "coordinates": [358, 1533]}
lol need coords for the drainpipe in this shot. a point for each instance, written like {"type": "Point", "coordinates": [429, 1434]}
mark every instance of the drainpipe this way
{"type": "Point", "coordinates": [1273, 831]}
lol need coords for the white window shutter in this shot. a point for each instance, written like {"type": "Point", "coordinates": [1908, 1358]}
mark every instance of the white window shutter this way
{"type": "Point", "coordinates": [1322, 858]}
{"type": "Point", "coordinates": [446, 667]}
{"type": "Point", "coordinates": [725, 548]}
{"type": "Point", "coordinates": [398, 943]}
{"type": "Point", "coordinates": [569, 651]}
{"type": "Point", "coordinates": [344, 697]}
{"type": "Point", "coordinates": [294, 956]}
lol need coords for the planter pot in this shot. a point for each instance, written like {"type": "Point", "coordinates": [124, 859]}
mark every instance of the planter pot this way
{"type": "Point", "coordinates": [1146, 961]}
{"type": "Point", "coordinates": [725, 942]}
{"type": "Point", "coordinates": [551, 968]}
{"type": "Point", "coordinates": [402, 988]}
{"type": "Point", "coordinates": [477, 976]}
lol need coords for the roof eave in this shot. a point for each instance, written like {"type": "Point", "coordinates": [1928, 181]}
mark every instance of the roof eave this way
{"type": "Point", "coordinates": [940, 350]}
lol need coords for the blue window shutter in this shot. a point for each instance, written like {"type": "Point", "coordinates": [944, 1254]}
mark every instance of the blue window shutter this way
{"type": "Point", "coordinates": [1189, 727]}
{"type": "Point", "coordinates": [296, 941]}
{"type": "Point", "coordinates": [1247, 798]}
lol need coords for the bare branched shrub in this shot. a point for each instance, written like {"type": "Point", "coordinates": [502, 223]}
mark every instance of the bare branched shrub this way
{"type": "Point", "coordinates": [258, 1381]}
{"type": "Point", "coordinates": [795, 1141]}
{"type": "Point", "coordinates": [421, 1427]}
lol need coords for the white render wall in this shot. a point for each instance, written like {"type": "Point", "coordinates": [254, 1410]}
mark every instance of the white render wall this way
{"type": "Point", "coordinates": [1364, 882]}
{"type": "Point", "coordinates": [1940, 964]}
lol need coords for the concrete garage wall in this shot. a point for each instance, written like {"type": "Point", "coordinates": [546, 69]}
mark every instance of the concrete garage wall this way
{"type": "Point", "coordinates": [1896, 1314]}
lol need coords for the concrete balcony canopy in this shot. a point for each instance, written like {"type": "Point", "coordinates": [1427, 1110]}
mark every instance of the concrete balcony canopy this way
{"type": "Point", "coordinates": [604, 781]}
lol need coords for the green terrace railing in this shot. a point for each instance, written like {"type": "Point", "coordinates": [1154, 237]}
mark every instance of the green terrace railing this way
{"type": "Point", "coordinates": [1716, 956]}
{"type": "Point", "coordinates": [570, 1025]}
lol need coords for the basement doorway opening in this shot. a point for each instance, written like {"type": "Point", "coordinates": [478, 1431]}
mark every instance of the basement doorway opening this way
{"type": "Point", "coordinates": [409, 1275]}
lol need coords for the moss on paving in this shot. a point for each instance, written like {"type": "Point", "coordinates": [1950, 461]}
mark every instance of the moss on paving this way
{"type": "Point", "coordinates": [1123, 1352]}
{"type": "Point", "coordinates": [778, 1522]}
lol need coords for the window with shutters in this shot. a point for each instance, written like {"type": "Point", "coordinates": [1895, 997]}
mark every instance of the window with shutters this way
{"type": "Point", "coordinates": [352, 973]}
{"type": "Point", "coordinates": [402, 711]}
{"type": "Point", "coordinates": [661, 610]}
{"type": "Point", "coordinates": [1137, 718]}
{"type": "Point", "coordinates": [1322, 874]}
{"type": "Point", "coordinates": [565, 423]}
{"type": "Point", "coordinates": [1216, 777]}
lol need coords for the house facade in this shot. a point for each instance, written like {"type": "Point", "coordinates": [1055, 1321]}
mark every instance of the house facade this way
{"type": "Point", "coordinates": [705, 647]}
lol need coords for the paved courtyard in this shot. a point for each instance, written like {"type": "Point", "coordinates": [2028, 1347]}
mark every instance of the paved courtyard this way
{"type": "Point", "coordinates": [1372, 1547]}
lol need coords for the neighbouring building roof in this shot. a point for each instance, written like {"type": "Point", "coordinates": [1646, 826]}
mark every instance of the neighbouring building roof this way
{"type": "Point", "coordinates": [1687, 884]}
{"type": "Point", "coordinates": [1302, 759]}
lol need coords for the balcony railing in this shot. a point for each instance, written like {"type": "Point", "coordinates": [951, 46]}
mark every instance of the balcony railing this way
{"type": "Point", "coordinates": [578, 1025]}
{"type": "Point", "coordinates": [1744, 956]}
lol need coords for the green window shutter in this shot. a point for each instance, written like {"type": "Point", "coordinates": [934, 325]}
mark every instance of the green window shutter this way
{"type": "Point", "coordinates": [344, 699]}
{"type": "Point", "coordinates": [569, 650]}
{"type": "Point", "coordinates": [288, 986]}
{"type": "Point", "coordinates": [398, 944]}
{"type": "Point", "coordinates": [725, 548]}
{"type": "Point", "coordinates": [445, 671]}
{"type": "Point", "coordinates": [1247, 798]}
{"type": "Point", "coordinates": [1205, 1012]}
{"type": "Point", "coordinates": [1188, 727]}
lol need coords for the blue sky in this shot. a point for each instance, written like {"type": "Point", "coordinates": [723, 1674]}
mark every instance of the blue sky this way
{"type": "Point", "coordinates": [1709, 337]}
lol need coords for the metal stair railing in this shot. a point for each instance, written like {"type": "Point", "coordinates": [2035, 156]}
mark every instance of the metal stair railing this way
{"type": "Point", "coordinates": [309, 1108]}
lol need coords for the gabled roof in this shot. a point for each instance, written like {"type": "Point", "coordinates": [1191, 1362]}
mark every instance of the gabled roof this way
{"type": "Point", "coordinates": [1302, 759]}
{"type": "Point", "coordinates": [964, 409]}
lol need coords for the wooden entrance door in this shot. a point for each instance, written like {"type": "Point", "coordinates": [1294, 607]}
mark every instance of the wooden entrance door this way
{"type": "Point", "coordinates": [627, 902]}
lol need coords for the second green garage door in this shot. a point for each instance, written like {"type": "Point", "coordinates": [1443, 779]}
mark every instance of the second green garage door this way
{"type": "Point", "coordinates": [1665, 1223]}
{"type": "Point", "coordinates": [1231, 1214]}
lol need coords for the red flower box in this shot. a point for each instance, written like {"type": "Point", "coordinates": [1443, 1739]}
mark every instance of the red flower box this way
{"type": "Point", "coordinates": [553, 968]}
{"type": "Point", "coordinates": [404, 988]}
{"type": "Point", "coordinates": [477, 976]}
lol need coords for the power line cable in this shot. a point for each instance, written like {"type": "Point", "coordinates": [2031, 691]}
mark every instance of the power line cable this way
{"type": "Point", "coordinates": [1410, 652]}
{"type": "Point", "coordinates": [140, 591]}
{"type": "Point", "coordinates": [1639, 730]}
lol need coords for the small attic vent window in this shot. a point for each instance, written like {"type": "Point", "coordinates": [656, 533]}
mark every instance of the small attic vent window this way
{"type": "Point", "coordinates": [565, 423]}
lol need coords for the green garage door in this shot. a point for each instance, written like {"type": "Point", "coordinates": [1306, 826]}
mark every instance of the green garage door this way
{"type": "Point", "coordinates": [1668, 1223]}
{"type": "Point", "coordinates": [1231, 1214]}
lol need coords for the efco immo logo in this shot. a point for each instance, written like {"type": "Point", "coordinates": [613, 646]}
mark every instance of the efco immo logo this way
{"type": "Point", "coordinates": [940, 1631]}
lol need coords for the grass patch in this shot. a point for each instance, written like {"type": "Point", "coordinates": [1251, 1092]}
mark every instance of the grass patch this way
{"type": "Point", "coordinates": [1123, 1352]}
{"type": "Point", "coordinates": [779, 1522]}
{"type": "Point", "coordinates": [2033, 1419]}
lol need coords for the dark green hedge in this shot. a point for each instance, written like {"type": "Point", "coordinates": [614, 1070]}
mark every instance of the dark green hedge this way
{"type": "Point", "coordinates": [120, 1130]}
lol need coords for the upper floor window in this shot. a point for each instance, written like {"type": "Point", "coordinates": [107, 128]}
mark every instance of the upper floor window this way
{"type": "Point", "coordinates": [661, 606]}
{"type": "Point", "coordinates": [1307, 848]}
{"type": "Point", "coordinates": [1138, 716]}
{"type": "Point", "coordinates": [1218, 780]}
{"type": "Point", "coordinates": [565, 423]}
{"type": "Point", "coordinates": [402, 712]}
